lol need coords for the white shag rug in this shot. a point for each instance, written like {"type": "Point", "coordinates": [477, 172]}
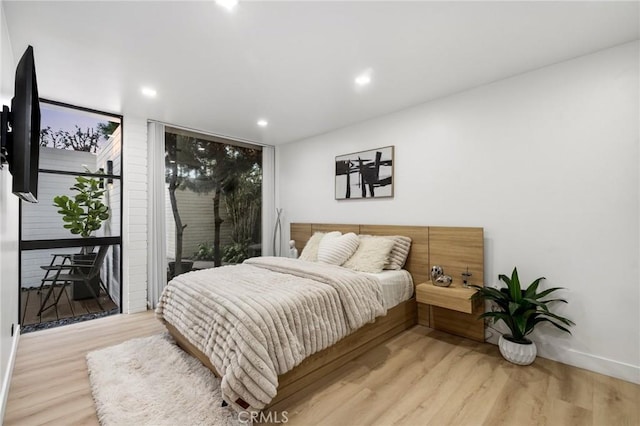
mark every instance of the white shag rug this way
{"type": "Point", "coordinates": [151, 381]}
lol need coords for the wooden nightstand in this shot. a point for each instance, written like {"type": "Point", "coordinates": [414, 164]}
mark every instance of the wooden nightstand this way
{"type": "Point", "coordinates": [452, 297]}
{"type": "Point", "coordinates": [457, 314]}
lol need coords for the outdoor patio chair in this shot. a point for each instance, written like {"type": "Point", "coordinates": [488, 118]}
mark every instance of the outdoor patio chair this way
{"type": "Point", "coordinates": [75, 272]}
{"type": "Point", "coordinates": [53, 267]}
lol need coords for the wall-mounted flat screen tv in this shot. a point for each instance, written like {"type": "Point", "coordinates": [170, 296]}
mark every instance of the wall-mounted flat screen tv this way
{"type": "Point", "coordinates": [22, 141]}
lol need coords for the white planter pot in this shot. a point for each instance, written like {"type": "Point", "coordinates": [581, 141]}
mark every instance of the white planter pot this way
{"type": "Point", "coordinates": [517, 353]}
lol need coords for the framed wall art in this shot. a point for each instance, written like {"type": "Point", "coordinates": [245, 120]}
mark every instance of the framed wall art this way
{"type": "Point", "coordinates": [365, 174]}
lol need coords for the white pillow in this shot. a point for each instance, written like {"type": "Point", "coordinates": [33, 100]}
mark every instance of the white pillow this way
{"type": "Point", "coordinates": [372, 254]}
{"type": "Point", "coordinates": [310, 250]}
{"type": "Point", "coordinates": [336, 250]}
{"type": "Point", "coordinates": [399, 253]}
{"type": "Point", "coordinates": [331, 235]}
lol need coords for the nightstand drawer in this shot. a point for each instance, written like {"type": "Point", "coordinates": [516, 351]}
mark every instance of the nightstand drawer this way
{"type": "Point", "coordinates": [454, 298]}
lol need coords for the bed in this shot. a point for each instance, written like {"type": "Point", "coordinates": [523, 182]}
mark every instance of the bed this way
{"type": "Point", "coordinates": [375, 324]}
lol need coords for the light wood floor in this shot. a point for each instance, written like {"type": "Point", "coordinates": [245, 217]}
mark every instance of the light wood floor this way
{"type": "Point", "coordinates": [421, 377]}
{"type": "Point", "coordinates": [50, 383]}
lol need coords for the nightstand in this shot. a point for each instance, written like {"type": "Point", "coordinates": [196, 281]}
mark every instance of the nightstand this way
{"type": "Point", "coordinates": [456, 313]}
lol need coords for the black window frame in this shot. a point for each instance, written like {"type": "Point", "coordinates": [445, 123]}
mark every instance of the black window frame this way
{"type": "Point", "coordinates": [26, 245]}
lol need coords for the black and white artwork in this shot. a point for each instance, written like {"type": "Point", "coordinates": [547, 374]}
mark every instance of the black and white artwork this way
{"type": "Point", "coordinates": [365, 174]}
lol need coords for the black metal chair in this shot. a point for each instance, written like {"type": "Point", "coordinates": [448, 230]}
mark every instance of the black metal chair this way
{"type": "Point", "coordinates": [76, 272]}
{"type": "Point", "coordinates": [53, 267]}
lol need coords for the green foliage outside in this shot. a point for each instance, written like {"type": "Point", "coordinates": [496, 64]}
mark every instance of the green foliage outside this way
{"type": "Point", "coordinates": [236, 252]}
{"type": "Point", "coordinates": [106, 129]}
{"type": "Point", "coordinates": [84, 212]}
{"type": "Point", "coordinates": [205, 252]}
{"type": "Point", "coordinates": [243, 200]}
{"type": "Point", "coordinates": [207, 167]}
{"type": "Point", "coordinates": [78, 140]}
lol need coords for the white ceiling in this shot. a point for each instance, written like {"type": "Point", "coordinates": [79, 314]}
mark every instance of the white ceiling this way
{"type": "Point", "coordinates": [294, 63]}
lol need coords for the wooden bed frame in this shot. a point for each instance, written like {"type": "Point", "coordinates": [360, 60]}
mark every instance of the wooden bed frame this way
{"type": "Point", "coordinates": [398, 319]}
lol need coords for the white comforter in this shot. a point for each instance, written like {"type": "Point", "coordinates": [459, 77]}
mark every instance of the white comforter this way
{"type": "Point", "coordinates": [258, 320]}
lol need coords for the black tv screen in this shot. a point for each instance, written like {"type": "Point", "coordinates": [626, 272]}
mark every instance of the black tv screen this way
{"type": "Point", "coordinates": [24, 149]}
{"type": "Point", "coordinates": [21, 145]}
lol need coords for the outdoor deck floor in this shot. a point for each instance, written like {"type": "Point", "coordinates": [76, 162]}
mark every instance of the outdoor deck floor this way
{"type": "Point", "coordinates": [66, 311]}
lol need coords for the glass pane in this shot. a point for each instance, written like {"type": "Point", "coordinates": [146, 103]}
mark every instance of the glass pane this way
{"type": "Point", "coordinates": [77, 141]}
{"type": "Point", "coordinates": [41, 221]}
{"type": "Point", "coordinates": [75, 298]}
{"type": "Point", "coordinates": [214, 197]}
{"type": "Point", "coordinates": [72, 142]}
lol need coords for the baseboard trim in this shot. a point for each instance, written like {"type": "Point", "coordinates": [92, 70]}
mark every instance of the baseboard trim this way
{"type": "Point", "coordinates": [595, 363]}
{"type": "Point", "coordinates": [609, 367]}
{"type": "Point", "coordinates": [6, 380]}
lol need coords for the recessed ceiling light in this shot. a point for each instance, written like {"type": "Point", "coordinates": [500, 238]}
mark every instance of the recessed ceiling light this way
{"type": "Point", "coordinates": [227, 4]}
{"type": "Point", "coordinates": [263, 123]}
{"type": "Point", "coordinates": [149, 92]}
{"type": "Point", "coordinates": [364, 78]}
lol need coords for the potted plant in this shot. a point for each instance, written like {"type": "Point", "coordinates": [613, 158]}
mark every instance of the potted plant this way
{"type": "Point", "coordinates": [83, 214]}
{"type": "Point", "coordinates": [520, 310]}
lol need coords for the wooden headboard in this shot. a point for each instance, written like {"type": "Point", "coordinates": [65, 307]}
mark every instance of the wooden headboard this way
{"type": "Point", "coordinates": [454, 249]}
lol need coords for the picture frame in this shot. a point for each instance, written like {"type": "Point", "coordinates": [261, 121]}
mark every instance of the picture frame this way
{"type": "Point", "coordinates": [365, 174]}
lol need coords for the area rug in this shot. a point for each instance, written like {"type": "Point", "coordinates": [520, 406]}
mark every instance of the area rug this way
{"type": "Point", "coordinates": [151, 381]}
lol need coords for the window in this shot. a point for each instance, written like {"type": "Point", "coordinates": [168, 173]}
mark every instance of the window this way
{"type": "Point", "coordinates": [213, 201]}
{"type": "Point", "coordinates": [77, 147]}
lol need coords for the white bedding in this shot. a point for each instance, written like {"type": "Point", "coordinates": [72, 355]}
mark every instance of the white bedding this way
{"type": "Point", "coordinates": [258, 320]}
{"type": "Point", "coordinates": [397, 286]}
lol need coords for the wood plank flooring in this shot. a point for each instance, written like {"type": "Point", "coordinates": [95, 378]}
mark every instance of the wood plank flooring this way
{"type": "Point", "coordinates": [66, 308]}
{"type": "Point", "coordinates": [420, 377]}
{"type": "Point", "coordinates": [50, 383]}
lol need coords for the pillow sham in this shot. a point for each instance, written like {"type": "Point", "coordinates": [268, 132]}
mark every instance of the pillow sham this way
{"type": "Point", "coordinates": [336, 250]}
{"type": "Point", "coordinates": [399, 252]}
{"type": "Point", "coordinates": [310, 250]}
{"type": "Point", "coordinates": [372, 254]}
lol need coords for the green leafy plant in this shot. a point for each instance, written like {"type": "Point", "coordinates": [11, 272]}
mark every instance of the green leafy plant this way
{"type": "Point", "coordinates": [84, 212]}
{"type": "Point", "coordinates": [236, 252]}
{"type": "Point", "coordinates": [205, 252]}
{"type": "Point", "coordinates": [521, 310]}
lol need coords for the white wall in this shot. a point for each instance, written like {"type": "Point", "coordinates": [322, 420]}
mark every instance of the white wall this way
{"type": "Point", "coordinates": [7, 61]}
{"type": "Point", "coordinates": [112, 151]}
{"type": "Point", "coordinates": [8, 281]}
{"type": "Point", "coordinates": [134, 230]}
{"type": "Point", "coordinates": [8, 236]}
{"type": "Point", "coordinates": [111, 271]}
{"type": "Point", "coordinates": [546, 162]}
